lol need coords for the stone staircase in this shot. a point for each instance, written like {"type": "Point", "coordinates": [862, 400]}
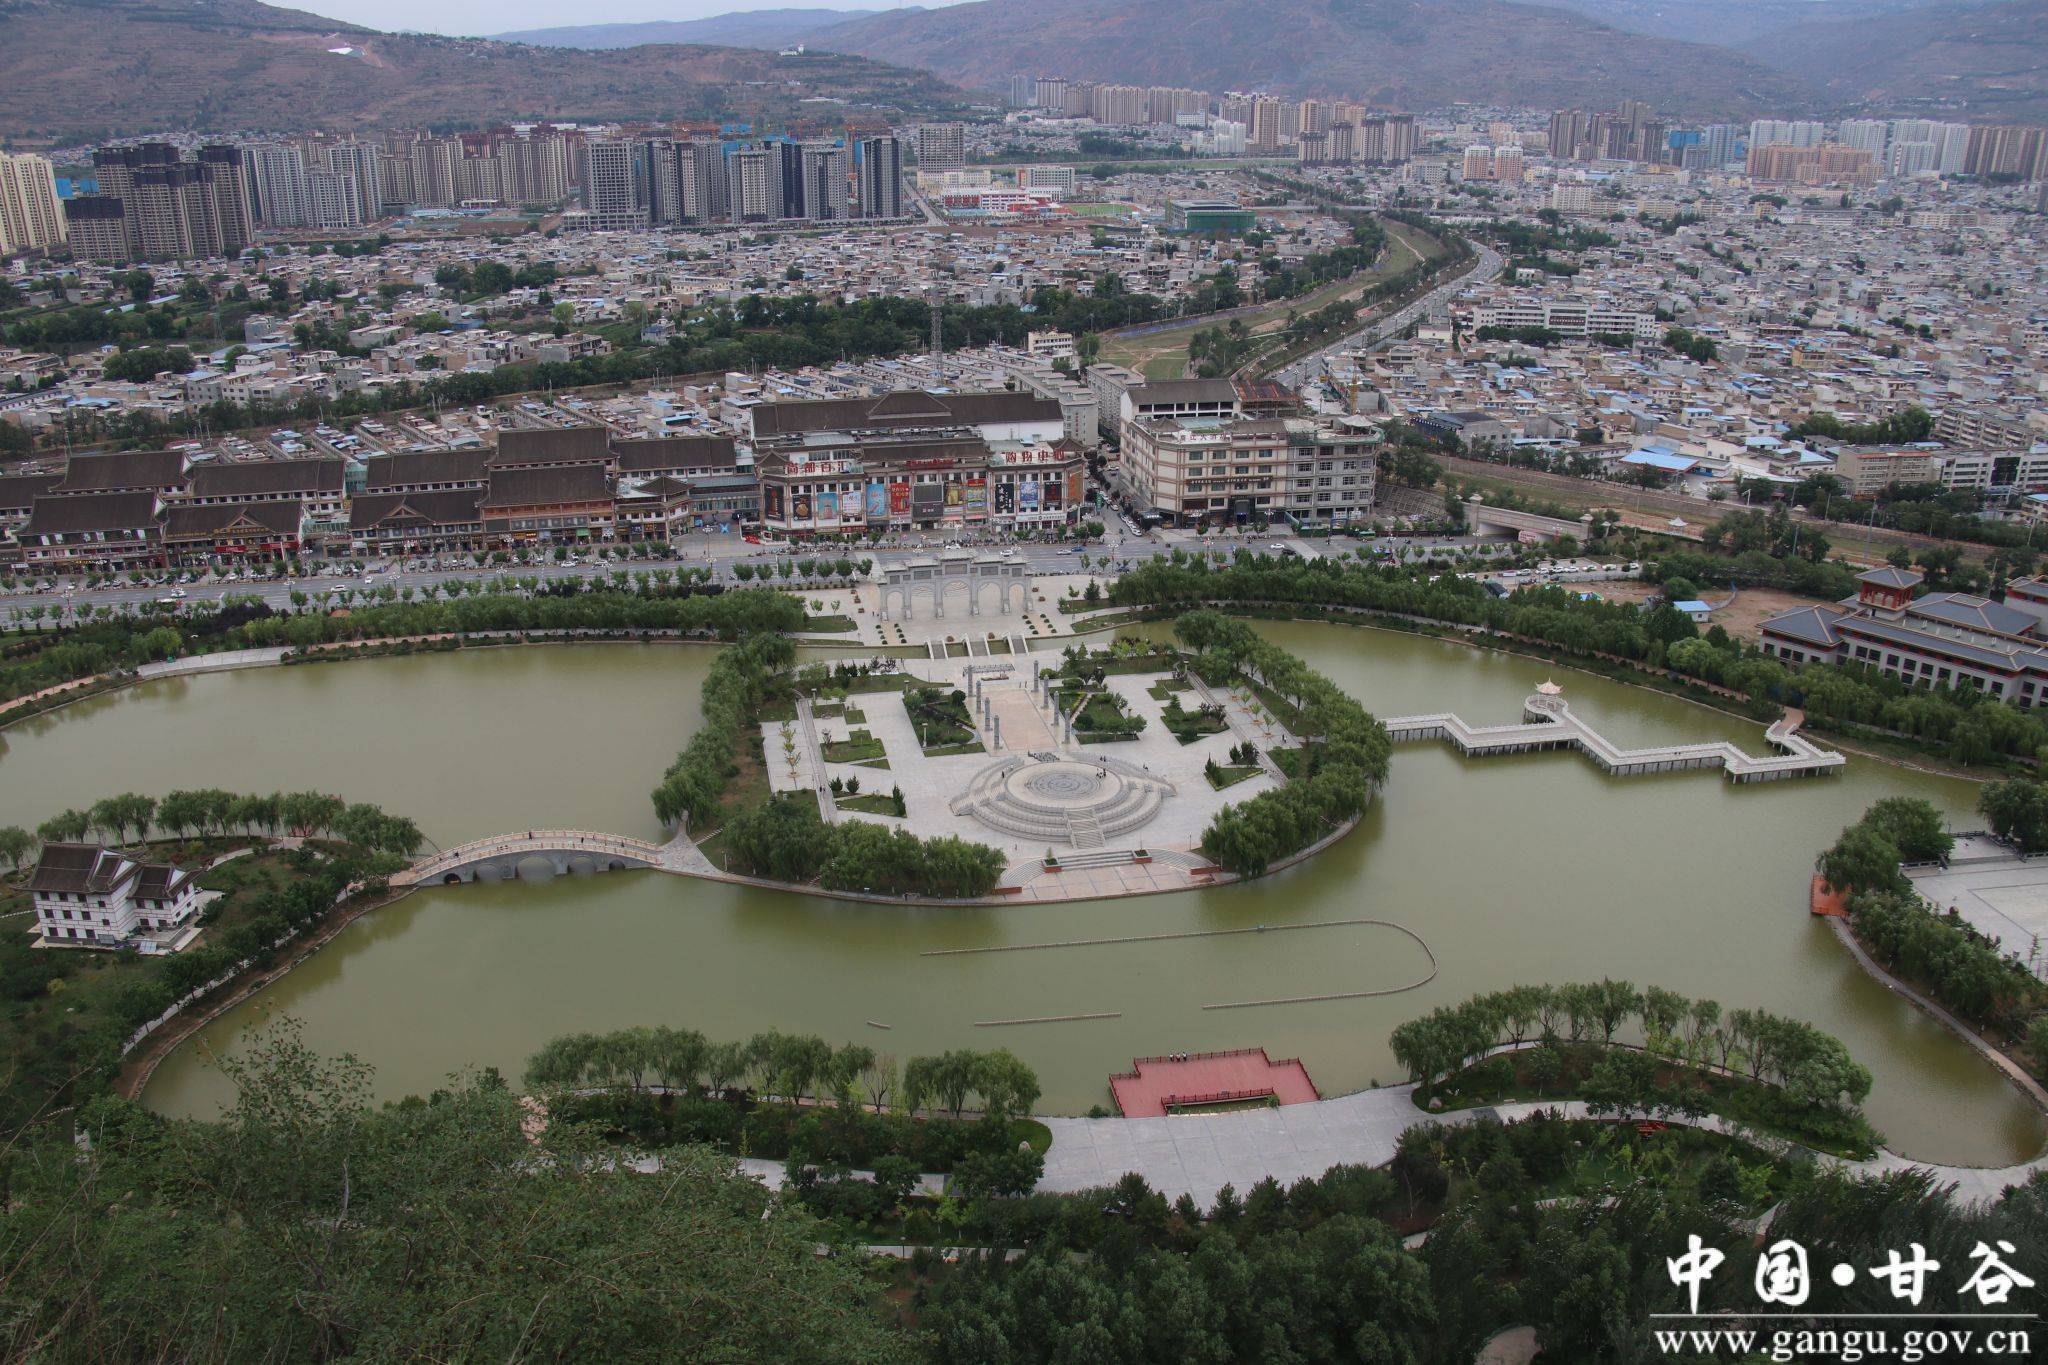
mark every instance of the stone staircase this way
{"type": "Point", "coordinates": [990, 800]}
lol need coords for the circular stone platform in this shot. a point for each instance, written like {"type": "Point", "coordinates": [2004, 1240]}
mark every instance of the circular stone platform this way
{"type": "Point", "coordinates": [1065, 799]}
{"type": "Point", "coordinates": [1065, 784]}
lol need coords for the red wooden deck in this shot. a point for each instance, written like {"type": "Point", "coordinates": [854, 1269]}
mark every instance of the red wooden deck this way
{"type": "Point", "coordinates": [1826, 900]}
{"type": "Point", "coordinates": [1157, 1085]}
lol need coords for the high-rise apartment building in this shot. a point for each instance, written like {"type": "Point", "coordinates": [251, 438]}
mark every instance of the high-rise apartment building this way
{"type": "Point", "coordinates": [753, 185]}
{"type": "Point", "coordinates": [362, 163]}
{"type": "Point", "coordinates": [827, 196]}
{"type": "Point", "coordinates": [1766, 132]}
{"type": "Point", "coordinates": [1265, 133]}
{"type": "Point", "coordinates": [941, 146]}
{"type": "Point", "coordinates": [2015, 151]}
{"type": "Point", "coordinates": [536, 167]}
{"type": "Point", "coordinates": [701, 176]}
{"type": "Point", "coordinates": [1023, 92]}
{"type": "Point", "coordinates": [879, 169]}
{"type": "Point", "coordinates": [97, 230]}
{"type": "Point", "coordinates": [1827, 164]}
{"type": "Point", "coordinates": [30, 218]}
{"type": "Point", "coordinates": [433, 171]}
{"type": "Point", "coordinates": [173, 208]}
{"type": "Point", "coordinates": [1872, 135]}
{"type": "Point", "coordinates": [331, 200]}
{"type": "Point", "coordinates": [276, 174]}
{"type": "Point", "coordinates": [1569, 129]}
{"type": "Point", "coordinates": [612, 191]}
{"type": "Point", "coordinates": [1049, 93]}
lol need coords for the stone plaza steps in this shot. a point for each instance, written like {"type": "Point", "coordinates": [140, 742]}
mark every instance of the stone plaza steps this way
{"type": "Point", "coordinates": [997, 800]}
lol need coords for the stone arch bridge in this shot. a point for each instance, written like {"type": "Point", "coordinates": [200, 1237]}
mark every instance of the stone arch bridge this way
{"type": "Point", "coordinates": [499, 857]}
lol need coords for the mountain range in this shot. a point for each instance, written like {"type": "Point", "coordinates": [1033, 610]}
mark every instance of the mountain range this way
{"type": "Point", "coordinates": [769, 28]}
{"type": "Point", "coordinates": [74, 70]}
{"type": "Point", "coordinates": [79, 69]}
{"type": "Point", "coordinates": [1966, 58]}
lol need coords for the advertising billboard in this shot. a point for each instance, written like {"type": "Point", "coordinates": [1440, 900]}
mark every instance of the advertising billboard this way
{"type": "Point", "coordinates": [1027, 495]}
{"type": "Point", "coordinates": [899, 499]}
{"type": "Point", "coordinates": [1006, 498]}
{"type": "Point", "coordinates": [977, 497]}
{"type": "Point", "coordinates": [800, 506]}
{"type": "Point", "coordinates": [927, 500]}
{"type": "Point", "coordinates": [771, 501]}
{"type": "Point", "coordinates": [828, 509]}
{"type": "Point", "coordinates": [878, 501]}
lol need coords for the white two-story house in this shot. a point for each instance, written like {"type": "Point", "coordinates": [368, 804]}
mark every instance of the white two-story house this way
{"type": "Point", "coordinates": [87, 896]}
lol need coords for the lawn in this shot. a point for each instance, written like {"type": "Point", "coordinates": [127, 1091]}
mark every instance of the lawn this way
{"type": "Point", "coordinates": [858, 747]}
{"type": "Point", "coordinates": [1221, 777]}
{"type": "Point", "coordinates": [1103, 718]}
{"type": "Point", "coordinates": [1189, 726]}
{"type": "Point", "coordinates": [868, 803]}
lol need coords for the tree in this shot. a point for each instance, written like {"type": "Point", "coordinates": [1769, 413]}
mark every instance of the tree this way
{"type": "Point", "coordinates": [16, 844]}
{"type": "Point", "coordinates": [65, 828]}
{"type": "Point", "coordinates": [1862, 860]}
{"type": "Point", "coordinates": [2017, 809]}
{"type": "Point", "coordinates": [298, 1220]}
{"type": "Point", "coordinates": [1913, 826]}
{"type": "Point", "coordinates": [1010, 1087]}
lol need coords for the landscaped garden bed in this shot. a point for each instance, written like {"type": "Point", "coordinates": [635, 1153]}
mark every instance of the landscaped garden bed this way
{"type": "Point", "coordinates": [858, 747]}
{"type": "Point", "coordinates": [941, 721]}
{"type": "Point", "coordinates": [1188, 726]}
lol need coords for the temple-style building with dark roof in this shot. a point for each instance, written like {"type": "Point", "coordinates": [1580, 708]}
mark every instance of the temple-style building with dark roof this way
{"type": "Point", "coordinates": [1940, 640]}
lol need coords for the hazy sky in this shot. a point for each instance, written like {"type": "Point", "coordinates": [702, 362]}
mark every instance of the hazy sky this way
{"type": "Point", "coordinates": [475, 17]}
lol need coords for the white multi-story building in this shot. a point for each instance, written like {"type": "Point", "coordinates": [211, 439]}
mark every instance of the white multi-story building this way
{"type": "Point", "coordinates": [1059, 179]}
{"type": "Point", "coordinates": [1570, 317]}
{"type": "Point", "coordinates": [1768, 132]}
{"type": "Point", "coordinates": [1571, 196]}
{"type": "Point", "coordinates": [86, 896]}
{"type": "Point", "coordinates": [1237, 470]}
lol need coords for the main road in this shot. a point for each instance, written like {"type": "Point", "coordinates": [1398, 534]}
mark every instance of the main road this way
{"type": "Point", "coordinates": [1437, 303]}
{"type": "Point", "coordinates": [1121, 549]}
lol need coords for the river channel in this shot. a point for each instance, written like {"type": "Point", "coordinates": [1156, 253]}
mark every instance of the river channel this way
{"type": "Point", "coordinates": [1529, 868]}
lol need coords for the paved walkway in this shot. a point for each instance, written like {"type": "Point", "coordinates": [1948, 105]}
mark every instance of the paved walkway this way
{"type": "Point", "coordinates": [214, 663]}
{"type": "Point", "coordinates": [1198, 1154]}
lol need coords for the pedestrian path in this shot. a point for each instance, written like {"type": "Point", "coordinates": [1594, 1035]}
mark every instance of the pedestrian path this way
{"type": "Point", "coordinates": [1198, 1154]}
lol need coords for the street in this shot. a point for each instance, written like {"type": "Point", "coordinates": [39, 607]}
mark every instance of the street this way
{"type": "Point", "coordinates": [718, 552]}
{"type": "Point", "coordinates": [1379, 330]}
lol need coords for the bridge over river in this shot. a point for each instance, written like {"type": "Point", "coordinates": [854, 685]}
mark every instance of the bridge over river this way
{"type": "Point", "coordinates": [1548, 723]}
{"type": "Point", "coordinates": [564, 850]}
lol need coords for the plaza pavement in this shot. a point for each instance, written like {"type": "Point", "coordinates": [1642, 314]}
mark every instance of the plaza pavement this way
{"type": "Point", "coordinates": [1998, 891]}
{"type": "Point", "coordinates": [930, 783]}
{"type": "Point", "coordinates": [1198, 1154]}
